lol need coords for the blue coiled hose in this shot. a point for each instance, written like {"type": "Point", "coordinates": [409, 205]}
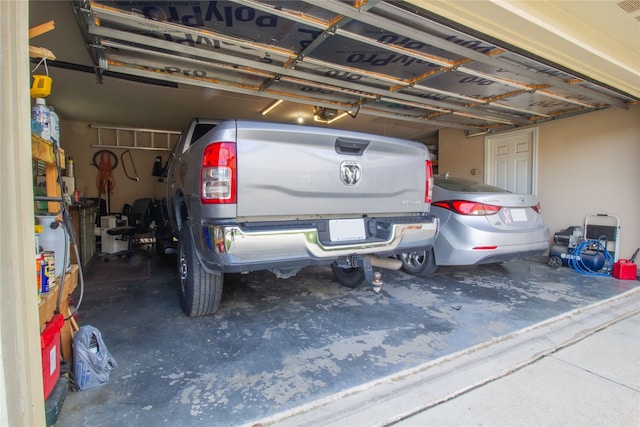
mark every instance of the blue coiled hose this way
{"type": "Point", "coordinates": [578, 265]}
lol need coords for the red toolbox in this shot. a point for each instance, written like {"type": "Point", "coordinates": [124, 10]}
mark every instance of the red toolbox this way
{"type": "Point", "coordinates": [624, 269]}
{"type": "Point", "coordinates": [50, 346]}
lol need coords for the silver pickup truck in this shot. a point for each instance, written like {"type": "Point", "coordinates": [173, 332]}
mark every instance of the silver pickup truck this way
{"type": "Point", "coordinates": [245, 196]}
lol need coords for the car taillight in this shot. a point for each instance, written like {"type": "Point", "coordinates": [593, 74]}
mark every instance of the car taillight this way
{"type": "Point", "coordinates": [219, 173]}
{"type": "Point", "coordinates": [537, 208]}
{"type": "Point", "coordinates": [428, 191]}
{"type": "Point", "coordinates": [464, 207]}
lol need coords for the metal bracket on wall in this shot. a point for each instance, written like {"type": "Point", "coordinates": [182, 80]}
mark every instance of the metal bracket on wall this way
{"type": "Point", "coordinates": [136, 138]}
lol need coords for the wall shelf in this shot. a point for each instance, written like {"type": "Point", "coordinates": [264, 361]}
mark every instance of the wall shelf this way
{"type": "Point", "coordinates": [43, 151]}
{"type": "Point", "coordinates": [48, 307]}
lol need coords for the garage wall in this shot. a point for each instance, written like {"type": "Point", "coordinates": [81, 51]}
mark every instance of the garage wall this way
{"type": "Point", "coordinates": [587, 164]}
{"type": "Point", "coordinates": [77, 139]}
{"type": "Point", "coordinates": [591, 164]}
{"type": "Point", "coordinates": [458, 155]}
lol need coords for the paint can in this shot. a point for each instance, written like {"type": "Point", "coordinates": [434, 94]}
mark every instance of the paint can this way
{"type": "Point", "coordinates": [49, 267]}
{"type": "Point", "coordinates": [44, 274]}
{"type": "Point", "coordinates": [39, 273]}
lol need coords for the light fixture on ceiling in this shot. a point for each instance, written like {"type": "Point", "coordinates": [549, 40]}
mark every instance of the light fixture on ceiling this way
{"type": "Point", "coordinates": [272, 106]}
{"type": "Point", "coordinates": [338, 117]}
{"type": "Point", "coordinates": [300, 119]}
{"type": "Point", "coordinates": [323, 114]}
{"type": "Point", "coordinates": [330, 115]}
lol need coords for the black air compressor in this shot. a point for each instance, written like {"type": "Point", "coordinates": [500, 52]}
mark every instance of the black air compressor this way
{"type": "Point", "coordinates": [573, 250]}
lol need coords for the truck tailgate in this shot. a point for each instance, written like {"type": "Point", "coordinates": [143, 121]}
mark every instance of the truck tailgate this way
{"type": "Point", "coordinates": [315, 171]}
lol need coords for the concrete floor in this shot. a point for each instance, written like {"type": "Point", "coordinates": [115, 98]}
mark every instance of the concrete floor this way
{"type": "Point", "coordinates": [276, 345]}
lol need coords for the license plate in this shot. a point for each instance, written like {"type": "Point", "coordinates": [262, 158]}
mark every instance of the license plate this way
{"type": "Point", "coordinates": [518, 215]}
{"type": "Point", "coordinates": [346, 229]}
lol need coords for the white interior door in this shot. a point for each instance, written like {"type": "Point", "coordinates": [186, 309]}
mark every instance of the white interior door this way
{"type": "Point", "coordinates": [511, 160]}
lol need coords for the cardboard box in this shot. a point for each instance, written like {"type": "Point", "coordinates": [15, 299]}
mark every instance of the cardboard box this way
{"type": "Point", "coordinates": [50, 346]}
{"type": "Point", "coordinates": [624, 269]}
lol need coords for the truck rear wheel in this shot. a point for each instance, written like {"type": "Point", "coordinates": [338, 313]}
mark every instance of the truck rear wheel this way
{"type": "Point", "coordinates": [200, 291]}
{"type": "Point", "coordinates": [349, 277]}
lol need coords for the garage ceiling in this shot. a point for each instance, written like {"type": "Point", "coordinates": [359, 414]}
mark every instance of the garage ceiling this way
{"type": "Point", "coordinates": [388, 67]}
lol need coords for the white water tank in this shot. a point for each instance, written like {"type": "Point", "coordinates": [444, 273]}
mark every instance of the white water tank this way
{"type": "Point", "coordinates": [54, 126]}
{"type": "Point", "coordinates": [40, 119]}
{"type": "Point", "coordinates": [55, 238]}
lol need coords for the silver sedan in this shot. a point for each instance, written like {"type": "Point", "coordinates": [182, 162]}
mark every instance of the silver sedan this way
{"type": "Point", "coordinates": [479, 224]}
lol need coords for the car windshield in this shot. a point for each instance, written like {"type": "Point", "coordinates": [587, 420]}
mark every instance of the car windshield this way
{"type": "Point", "coordinates": [464, 185]}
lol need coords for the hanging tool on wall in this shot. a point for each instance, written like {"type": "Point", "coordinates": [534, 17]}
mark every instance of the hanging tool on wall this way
{"type": "Point", "coordinates": [158, 169]}
{"type": "Point", "coordinates": [133, 166]}
{"type": "Point", "coordinates": [41, 86]}
{"type": "Point", "coordinates": [106, 161]}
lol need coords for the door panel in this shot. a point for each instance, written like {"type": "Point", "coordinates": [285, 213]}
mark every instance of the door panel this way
{"type": "Point", "coordinates": [522, 182]}
{"type": "Point", "coordinates": [511, 161]}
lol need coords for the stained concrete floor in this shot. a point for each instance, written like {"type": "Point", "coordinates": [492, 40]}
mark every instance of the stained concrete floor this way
{"type": "Point", "coordinates": [277, 344]}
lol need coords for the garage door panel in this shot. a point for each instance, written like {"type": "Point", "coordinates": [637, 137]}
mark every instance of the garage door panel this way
{"type": "Point", "coordinates": [371, 57]}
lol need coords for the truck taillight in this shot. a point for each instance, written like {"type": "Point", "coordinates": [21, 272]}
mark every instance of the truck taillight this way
{"type": "Point", "coordinates": [219, 173]}
{"type": "Point", "coordinates": [428, 191]}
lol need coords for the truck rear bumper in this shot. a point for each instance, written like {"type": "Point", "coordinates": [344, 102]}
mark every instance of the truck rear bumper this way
{"type": "Point", "coordinates": [241, 248]}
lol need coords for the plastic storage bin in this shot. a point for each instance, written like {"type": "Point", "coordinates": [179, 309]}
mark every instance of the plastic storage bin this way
{"type": "Point", "coordinates": [50, 346]}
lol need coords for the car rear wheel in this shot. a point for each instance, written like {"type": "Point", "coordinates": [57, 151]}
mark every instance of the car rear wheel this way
{"type": "Point", "coordinates": [349, 277]}
{"type": "Point", "coordinates": [200, 291]}
{"type": "Point", "coordinates": [419, 263]}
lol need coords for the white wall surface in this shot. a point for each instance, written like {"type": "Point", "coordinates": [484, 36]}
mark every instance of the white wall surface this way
{"type": "Point", "coordinates": [591, 164]}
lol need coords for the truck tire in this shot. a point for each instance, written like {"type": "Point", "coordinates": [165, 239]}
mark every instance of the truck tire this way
{"type": "Point", "coordinates": [419, 263]}
{"type": "Point", "coordinates": [200, 291]}
{"type": "Point", "coordinates": [349, 277]}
